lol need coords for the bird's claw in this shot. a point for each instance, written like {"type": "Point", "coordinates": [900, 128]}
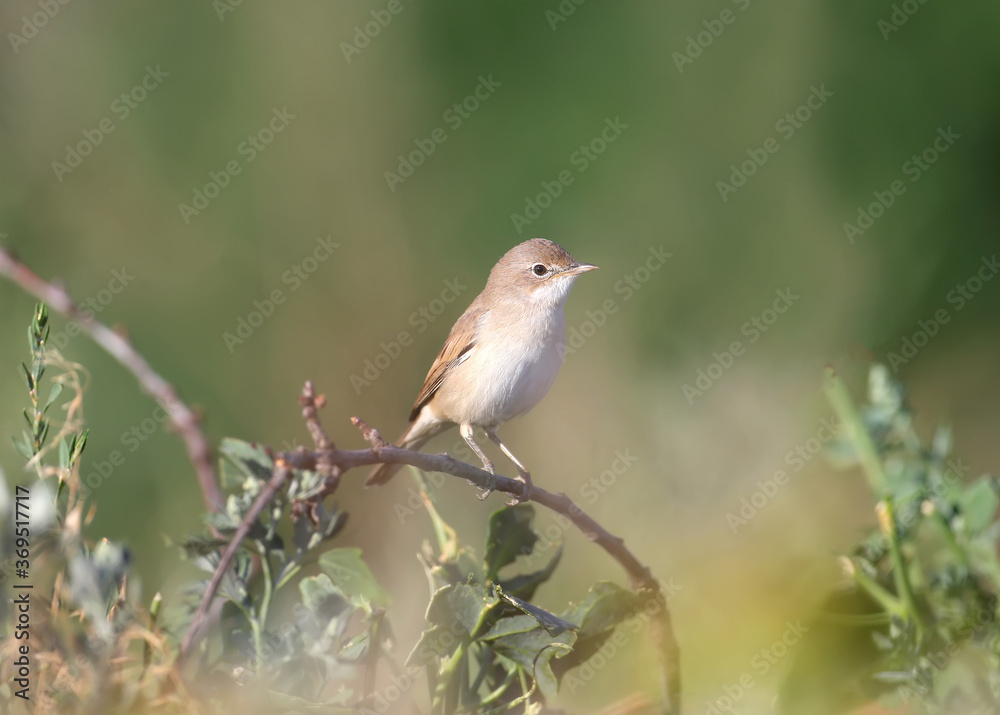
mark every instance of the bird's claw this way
{"type": "Point", "coordinates": [527, 486]}
{"type": "Point", "coordinates": [490, 483]}
{"type": "Point", "coordinates": [489, 488]}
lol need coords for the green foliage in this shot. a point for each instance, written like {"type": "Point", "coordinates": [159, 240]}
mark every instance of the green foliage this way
{"type": "Point", "coordinates": [302, 625]}
{"type": "Point", "coordinates": [486, 645]}
{"type": "Point", "coordinates": [84, 616]}
{"type": "Point", "coordinates": [918, 622]}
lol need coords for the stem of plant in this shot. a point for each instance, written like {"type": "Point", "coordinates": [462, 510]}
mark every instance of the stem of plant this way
{"type": "Point", "coordinates": [888, 601]}
{"type": "Point", "coordinates": [265, 565]}
{"type": "Point", "coordinates": [887, 522]}
{"type": "Point", "coordinates": [840, 399]}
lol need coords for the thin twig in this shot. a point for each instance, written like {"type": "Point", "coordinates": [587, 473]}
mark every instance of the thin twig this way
{"type": "Point", "coordinates": [331, 463]}
{"type": "Point", "coordinates": [181, 416]}
{"type": "Point", "coordinates": [310, 402]}
{"type": "Point", "coordinates": [640, 576]}
{"type": "Point", "coordinates": [281, 474]}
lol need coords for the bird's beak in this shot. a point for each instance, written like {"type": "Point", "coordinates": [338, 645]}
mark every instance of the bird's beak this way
{"type": "Point", "coordinates": [579, 268]}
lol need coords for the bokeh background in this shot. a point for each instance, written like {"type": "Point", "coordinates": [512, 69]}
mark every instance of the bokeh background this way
{"type": "Point", "coordinates": [690, 112]}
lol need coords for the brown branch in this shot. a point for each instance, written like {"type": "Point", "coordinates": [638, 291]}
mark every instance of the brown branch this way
{"type": "Point", "coordinates": [183, 419]}
{"type": "Point", "coordinates": [332, 462]}
{"type": "Point", "coordinates": [281, 474]}
{"type": "Point", "coordinates": [337, 461]}
{"type": "Point", "coordinates": [640, 576]}
{"type": "Point", "coordinates": [310, 402]}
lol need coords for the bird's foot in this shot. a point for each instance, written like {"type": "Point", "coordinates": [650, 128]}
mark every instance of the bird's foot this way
{"type": "Point", "coordinates": [490, 483]}
{"type": "Point", "coordinates": [526, 487]}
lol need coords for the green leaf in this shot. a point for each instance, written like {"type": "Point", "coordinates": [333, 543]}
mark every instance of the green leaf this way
{"type": "Point", "coordinates": [196, 546]}
{"type": "Point", "coordinates": [353, 577]}
{"type": "Point", "coordinates": [605, 606]}
{"type": "Point", "coordinates": [64, 451]}
{"type": "Point", "coordinates": [28, 378]}
{"type": "Point", "coordinates": [510, 535]}
{"type": "Point", "coordinates": [56, 389]}
{"type": "Point", "coordinates": [509, 626]}
{"type": "Point", "coordinates": [79, 445]}
{"type": "Point", "coordinates": [356, 649]}
{"type": "Point", "coordinates": [321, 597]}
{"type": "Point", "coordinates": [550, 622]}
{"type": "Point", "coordinates": [24, 448]}
{"type": "Point", "coordinates": [307, 537]}
{"type": "Point", "coordinates": [234, 582]}
{"type": "Point", "coordinates": [251, 459]}
{"type": "Point", "coordinates": [461, 604]}
{"type": "Point", "coordinates": [979, 504]}
{"type": "Point", "coordinates": [524, 586]}
{"type": "Point", "coordinates": [533, 651]}
{"type": "Point", "coordinates": [435, 642]}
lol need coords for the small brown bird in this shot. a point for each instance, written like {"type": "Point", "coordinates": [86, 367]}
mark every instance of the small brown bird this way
{"type": "Point", "coordinates": [501, 356]}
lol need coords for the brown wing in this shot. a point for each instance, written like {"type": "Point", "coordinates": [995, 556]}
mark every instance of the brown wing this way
{"type": "Point", "coordinates": [461, 340]}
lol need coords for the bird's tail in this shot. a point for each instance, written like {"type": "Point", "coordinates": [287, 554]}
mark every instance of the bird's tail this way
{"type": "Point", "coordinates": [415, 437]}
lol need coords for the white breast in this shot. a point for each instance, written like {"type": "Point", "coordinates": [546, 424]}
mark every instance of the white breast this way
{"type": "Point", "coordinates": [509, 371]}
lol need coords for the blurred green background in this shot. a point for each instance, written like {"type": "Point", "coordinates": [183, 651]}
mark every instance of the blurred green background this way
{"type": "Point", "coordinates": [215, 76]}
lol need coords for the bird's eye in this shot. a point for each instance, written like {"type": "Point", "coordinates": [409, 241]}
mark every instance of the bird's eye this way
{"type": "Point", "coordinates": [539, 269]}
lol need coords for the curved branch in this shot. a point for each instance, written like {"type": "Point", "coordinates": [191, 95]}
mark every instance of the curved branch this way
{"type": "Point", "coordinates": [334, 462]}
{"type": "Point", "coordinates": [182, 417]}
{"type": "Point", "coordinates": [331, 463]}
{"type": "Point", "coordinates": [640, 576]}
{"type": "Point", "coordinates": [278, 478]}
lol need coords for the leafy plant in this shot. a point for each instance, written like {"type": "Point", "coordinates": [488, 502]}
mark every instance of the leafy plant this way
{"type": "Point", "coordinates": [294, 624]}
{"type": "Point", "coordinates": [917, 622]}
{"type": "Point", "coordinates": [85, 618]}
{"type": "Point", "coordinates": [487, 646]}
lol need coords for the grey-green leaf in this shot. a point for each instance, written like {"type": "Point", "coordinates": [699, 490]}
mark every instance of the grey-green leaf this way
{"type": "Point", "coordinates": [509, 536]}
{"type": "Point", "coordinates": [352, 576]}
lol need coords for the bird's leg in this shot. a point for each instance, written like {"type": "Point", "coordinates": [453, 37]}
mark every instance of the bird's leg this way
{"type": "Point", "coordinates": [467, 432]}
{"type": "Point", "coordinates": [523, 473]}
